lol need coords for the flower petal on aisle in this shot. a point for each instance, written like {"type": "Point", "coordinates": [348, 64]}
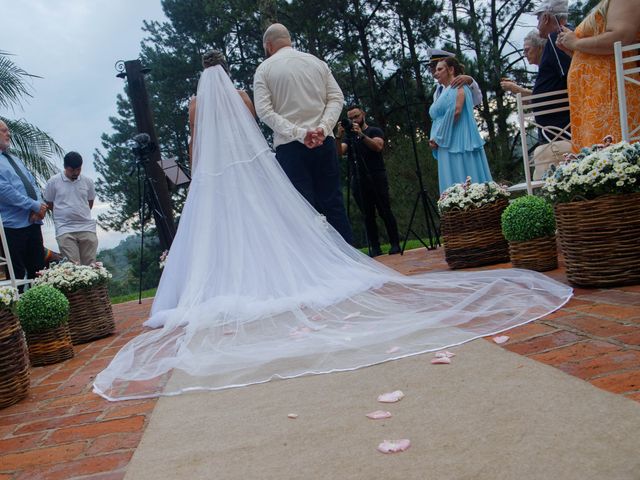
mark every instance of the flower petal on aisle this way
{"type": "Point", "coordinates": [391, 397]}
{"type": "Point", "coordinates": [441, 361]}
{"type": "Point", "coordinates": [378, 415]}
{"type": "Point", "coordinates": [392, 446]}
{"type": "Point", "coordinates": [445, 354]}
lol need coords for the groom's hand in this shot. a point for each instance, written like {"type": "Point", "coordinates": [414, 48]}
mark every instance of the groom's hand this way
{"type": "Point", "coordinates": [308, 140]}
{"type": "Point", "coordinates": [314, 138]}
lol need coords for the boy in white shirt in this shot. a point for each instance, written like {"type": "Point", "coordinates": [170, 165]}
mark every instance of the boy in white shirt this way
{"type": "Point", "coordinates": [70, 196]}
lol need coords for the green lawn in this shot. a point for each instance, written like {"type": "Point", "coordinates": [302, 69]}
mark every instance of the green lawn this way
{"type": "Point", "coordinates": [133, 296]}
{"type": "Point", "coordinates": [411, 244]}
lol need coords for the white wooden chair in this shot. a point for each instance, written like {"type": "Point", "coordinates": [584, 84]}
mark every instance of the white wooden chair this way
{"type": "Point", "coordinates": [5, 259]}
{"type": "Point", "coordinates": [626, 68]}
{"type": "Point", "coordinates": [530, 107]}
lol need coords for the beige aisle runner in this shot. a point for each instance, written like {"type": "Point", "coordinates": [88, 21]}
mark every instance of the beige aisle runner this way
{"type": "Point", "coordinates": [490, 414]}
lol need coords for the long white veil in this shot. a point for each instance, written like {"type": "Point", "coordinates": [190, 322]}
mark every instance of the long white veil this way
{"type": "Point", "coordinates": [258, 286]}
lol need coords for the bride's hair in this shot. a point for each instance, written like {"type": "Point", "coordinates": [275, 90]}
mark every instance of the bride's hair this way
{"type": "Point", "coordinates": [213, 58]}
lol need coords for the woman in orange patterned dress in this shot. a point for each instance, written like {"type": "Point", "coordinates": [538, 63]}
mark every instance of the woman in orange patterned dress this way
{"type": "Point", "coordinates": [593, 94]}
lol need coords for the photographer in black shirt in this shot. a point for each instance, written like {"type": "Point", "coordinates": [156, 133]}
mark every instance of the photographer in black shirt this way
{"type": "Point", "coordinates": [370, 185]}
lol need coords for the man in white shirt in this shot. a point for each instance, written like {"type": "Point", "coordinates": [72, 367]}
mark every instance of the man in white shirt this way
{"type": "Point", "coordinates": [70, 196]}
{"type": "Point", "coordinates": [296, 95]}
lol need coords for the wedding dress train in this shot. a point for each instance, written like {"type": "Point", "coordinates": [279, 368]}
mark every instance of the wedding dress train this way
{"type": "Point", "coordinates": [258, 286]}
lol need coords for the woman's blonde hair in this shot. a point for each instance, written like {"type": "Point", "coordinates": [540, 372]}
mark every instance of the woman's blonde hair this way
{"type": "Point", "coordinates": [590, 23]}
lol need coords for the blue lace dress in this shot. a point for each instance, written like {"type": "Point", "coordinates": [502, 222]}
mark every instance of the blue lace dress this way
{"type": "Point", "coordinates": [460, 151]}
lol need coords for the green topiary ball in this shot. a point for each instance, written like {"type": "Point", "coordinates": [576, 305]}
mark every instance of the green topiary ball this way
{"type": "Point", "coordinates": [42, 308]}
{"type": "Point", "coordinates": [528, 218]}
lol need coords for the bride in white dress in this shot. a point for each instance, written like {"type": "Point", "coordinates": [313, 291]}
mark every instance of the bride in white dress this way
{"type": "Point", "coordinates": [258, 286]}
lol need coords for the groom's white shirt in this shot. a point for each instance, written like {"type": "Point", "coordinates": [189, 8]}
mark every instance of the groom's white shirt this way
{"type": "Point", "coordinates": [295, 92]}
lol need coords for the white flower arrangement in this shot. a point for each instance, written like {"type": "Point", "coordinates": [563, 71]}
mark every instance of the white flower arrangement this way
{"type": "Point", "coordinates": [467, 195]}
{"type": "Point", "coordinates": [8, 297]}
{"type": "Point", "coordinates": [69, 277]}
{"type": "Point", "coordinates": [600, 170]}
{"type": "Point", "coordinates": [163, 259]}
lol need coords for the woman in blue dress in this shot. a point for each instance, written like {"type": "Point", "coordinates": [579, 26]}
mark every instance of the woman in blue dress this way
{"type": "Point", "coordinates": [455, 139]}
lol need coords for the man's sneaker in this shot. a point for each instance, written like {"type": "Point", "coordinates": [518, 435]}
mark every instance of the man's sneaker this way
{"type": "Point", "coordinates": [375, 251]}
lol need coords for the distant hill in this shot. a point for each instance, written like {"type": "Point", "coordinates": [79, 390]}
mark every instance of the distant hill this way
{"type": "Point", "coordinates": [116, 259]}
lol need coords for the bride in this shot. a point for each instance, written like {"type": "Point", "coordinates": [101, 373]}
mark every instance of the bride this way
{"type": "Point", "coordinates": [259, 286]}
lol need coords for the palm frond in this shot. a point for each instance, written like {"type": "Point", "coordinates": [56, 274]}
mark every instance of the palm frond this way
{"type": "Point", "coordinates": [13, 83]}
{"type": "Point", "coordinates": [35, 147]}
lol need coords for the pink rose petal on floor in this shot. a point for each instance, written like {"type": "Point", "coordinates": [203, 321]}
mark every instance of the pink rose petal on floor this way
{"type": "Point", "coordinates": [393, 350]}
{"type": "Point", "coordinates": [392, 446]}
{"type": "Point", "coordinates": [441, 361]}
{"type": "Point", "coordinates": [378, 415]}
{"type": "Point", "coordinates": [391, 397]}
{"type": "Point", "coordinates": [317, 318]}
{"type": "Point", "coordinates": [501, 339]}
{"type": "Point", "coordinates": [293, 415]}
{"type": "Point", "coordinates": [299, 332]}
{"type": "Point", "coordinates": [351, 315]}
{"type": "Point", "coordinates": [445, 354]}
{"type": "Point", "coordinates": [228, 332]}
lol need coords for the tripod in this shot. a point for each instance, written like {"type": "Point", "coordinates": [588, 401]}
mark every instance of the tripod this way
{"type": "Point", "coordinates": [147, 194]}
{"type": "Point", "coordinates": [353, 175]}
{"type": "Point", "coordinates": [422, 197]}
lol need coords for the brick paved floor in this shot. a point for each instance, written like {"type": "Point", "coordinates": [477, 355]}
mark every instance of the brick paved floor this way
{"type": "Point", "coordinates": [63, 431]}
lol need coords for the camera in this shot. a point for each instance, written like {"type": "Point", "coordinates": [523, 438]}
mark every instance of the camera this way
{"type": "Point", "coordinates": [347, 124]}
{"type": "Point", "coordinates": [142, 145]}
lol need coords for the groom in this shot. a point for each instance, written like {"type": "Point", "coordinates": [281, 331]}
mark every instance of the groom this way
{"type": "Point", "coordinates": [297, 97]}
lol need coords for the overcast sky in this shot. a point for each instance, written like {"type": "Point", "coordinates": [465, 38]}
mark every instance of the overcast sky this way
{"type": "Point", "coordinates": [73, 45]}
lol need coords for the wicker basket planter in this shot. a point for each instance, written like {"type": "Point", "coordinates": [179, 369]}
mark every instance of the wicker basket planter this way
{"type": "Point", "coordinates": [599, 240]}
{"type": "Point", "coordinates": [50, 346]}
{"type": "Point", "coordinates": [14, 360]}
{"type": "Point", "coordinates": [474, 237]}
{"type": "Point", "coordinates": [90, 314]}
{"type": "Point", "coordinates": [540, 254]}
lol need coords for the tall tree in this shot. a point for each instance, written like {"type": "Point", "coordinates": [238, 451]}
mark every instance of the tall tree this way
{"type": "Point", "coordinates": [579, 10]}
{"type": "Point", "coordinates": [117, 181]}
{"type": "Point", "coordinates": [419, 26]}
